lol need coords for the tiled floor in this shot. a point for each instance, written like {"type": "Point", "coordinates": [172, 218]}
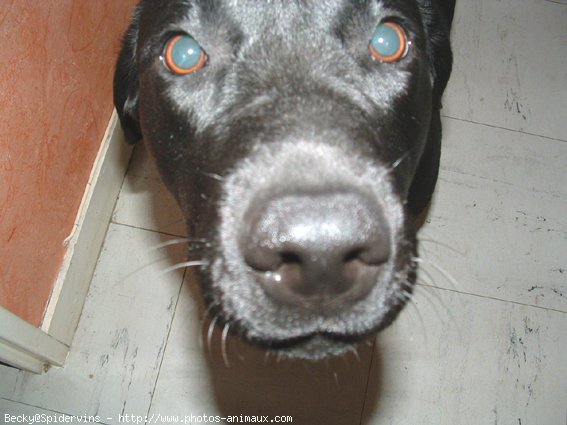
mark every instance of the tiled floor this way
{"type": "Point", "coordinates": [485, 340]}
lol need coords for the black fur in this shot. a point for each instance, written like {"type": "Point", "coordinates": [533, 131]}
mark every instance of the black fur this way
{"type": "Point", "coordinates": [291, 104]}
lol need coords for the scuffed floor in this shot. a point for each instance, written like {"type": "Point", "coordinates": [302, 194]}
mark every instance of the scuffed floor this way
{"type": "Point", "coordinates": [484, 341]}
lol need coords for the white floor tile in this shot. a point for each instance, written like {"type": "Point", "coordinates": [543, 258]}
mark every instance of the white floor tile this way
{"type": "Point", "coordinates": [510, 62]}
{"type": "Point", "coordinates": [119, 344]}
{"type": "Point", "coordinates": [498, 224]}
{"type": "Point", "coordinates": [467, 360]}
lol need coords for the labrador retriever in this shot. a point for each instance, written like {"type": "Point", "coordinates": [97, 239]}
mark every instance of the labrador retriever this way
{"type": "Point", "coordinates": [301, 139]}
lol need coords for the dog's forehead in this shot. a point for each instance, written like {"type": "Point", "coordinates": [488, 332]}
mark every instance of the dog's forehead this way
{"type": "Point", "coordinates": [283, 11]}
{"type": "Point", "coordinates": [313, 10]}
{"type": "Point", "coordinates": [254, 16]}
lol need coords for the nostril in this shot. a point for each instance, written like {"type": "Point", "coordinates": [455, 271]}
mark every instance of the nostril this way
{"type": "Point", "coordinates": [290, 258]}
{"type": "Point", "coordinates": [353, 255]}
{"type": "Point", "coordinates": [262, 259]}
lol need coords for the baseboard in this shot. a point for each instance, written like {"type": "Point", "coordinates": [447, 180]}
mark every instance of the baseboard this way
{"type": "Point", "coordinates": [84, 244]}
{"type": "Point", "coordinates": [26, 347]}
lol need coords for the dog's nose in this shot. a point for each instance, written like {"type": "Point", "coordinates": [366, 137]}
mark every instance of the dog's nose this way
{"type": "Point", "coordinates": [316, 249]}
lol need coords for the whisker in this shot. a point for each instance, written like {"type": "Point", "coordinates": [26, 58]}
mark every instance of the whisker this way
{"type": "Point", "coordinates": [345, 357]}
{"type": "Point", "coordinates": [354, 351]}
{"type": "Point", "coordinates": [210, 333]}
{"type": "Point", "coordinates": [223, 344]}
{"type": "Point", "coordinates": [444, 245]}
{"type": "Point", "coordinates": [420, 318]}
{"type": "Point", "coordinates": [432, 286]}
{"type": "Point", "coordinates": [446, 274]}
{"type": "Point", "coordinates": [168, 243]}
{"type": "Point", "coordinates": [427, 295]}
{"type": "Point", "coordinates": [428, 275]}
{"type": "Point", "coordinates": [336, 376]}
{"type": "Point", "coordinates": [413, 303]}
{"type": "Point", "coordinates": [204, 318]}
{"type": "Point", "coordinates": [329, 366]}
{"type": "Point", "coordinates": [432, 293]}
{"type": "Point", "coordinates": [406, 297]}
{"type": "Point", "coordinates": [190, 241]}
{"type": "Point", "coordinates": [139, 269]}
{"type": "Point", "coordinates": [401, 159]}
{"type": "Point", "coordinates": [184, 265]}
{"type": "Point", "coordinates": [214, 176]}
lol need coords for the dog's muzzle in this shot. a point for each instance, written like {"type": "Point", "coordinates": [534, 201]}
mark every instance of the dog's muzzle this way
{"type": "Point", "coordinates": [310, 255]}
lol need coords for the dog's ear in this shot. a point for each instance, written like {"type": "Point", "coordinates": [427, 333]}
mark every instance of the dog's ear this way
{"type": "Point", "coordinates": [437, 18]}
{"type": "Point", "coordinates": [126, 90]}
{"type": "Point", "coordinates": [448, 10]}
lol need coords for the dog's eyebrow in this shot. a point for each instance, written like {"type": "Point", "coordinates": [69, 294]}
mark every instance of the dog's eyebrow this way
{"type": "Point", "coordinates": [346, 17]}
{"type": "Point", "coordinates": [210, 9]}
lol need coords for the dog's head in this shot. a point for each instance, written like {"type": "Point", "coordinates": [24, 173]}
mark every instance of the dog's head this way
{"type": "Point", "coordinates": [300, 139]}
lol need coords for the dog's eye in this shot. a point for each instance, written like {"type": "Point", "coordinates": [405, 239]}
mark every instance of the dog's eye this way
{"type": "Point", "coordinates": [389, 42]}
{"type": "Point", "coordinates": [183, 55]}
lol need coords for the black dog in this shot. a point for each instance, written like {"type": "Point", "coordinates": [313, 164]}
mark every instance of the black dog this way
{"type": "Point", "coordinates": [301, 138]}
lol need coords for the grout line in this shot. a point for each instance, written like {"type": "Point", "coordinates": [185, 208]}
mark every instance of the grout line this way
{"type": "Point", "coordinates": [147, 230]}
{"type": "Point", "coordinates": [166, 343]}
{"type": "Point", "coordinates": [493, 298]}
{"type": "Point", "coordinates": [504, 128]}
{"type": "Point", "coordinates": [367, 381]}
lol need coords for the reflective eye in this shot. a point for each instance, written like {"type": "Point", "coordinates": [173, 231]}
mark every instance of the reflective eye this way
{"type": "Point", "coordinates": [389, 42]}
{"type": "Point", "coordinates": [183, 55]}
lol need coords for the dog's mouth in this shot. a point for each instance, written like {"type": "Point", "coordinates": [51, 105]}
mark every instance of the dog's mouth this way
{"type": "Point", "coordinates": [316, 346]}
{"type": "Point", "coordinates": [315, 329]}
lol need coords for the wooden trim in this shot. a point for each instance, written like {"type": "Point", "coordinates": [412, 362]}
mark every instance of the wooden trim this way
{"type": "Point", "coordinates": [84, 244]}
{"type": "Point", "coordinates": [26, 347]}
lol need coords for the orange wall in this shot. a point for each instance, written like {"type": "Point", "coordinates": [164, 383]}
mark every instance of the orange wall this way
{"type": "Point", "coordinates": [56, 66]}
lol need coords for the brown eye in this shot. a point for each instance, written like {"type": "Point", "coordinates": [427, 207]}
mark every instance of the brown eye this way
{"type": "Point", "coordinates": [183, 55]}
{"type": "Point", "coordinates": [389, 42]}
